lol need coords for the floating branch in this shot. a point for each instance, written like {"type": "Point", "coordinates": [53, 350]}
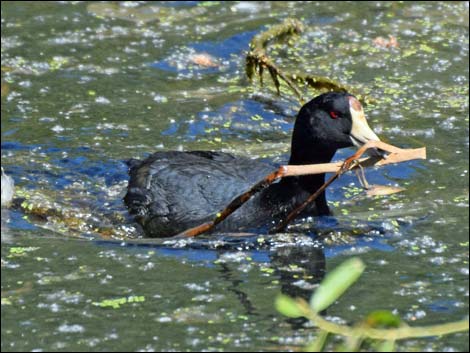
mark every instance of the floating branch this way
{"type": "Point", "coordinates": [257, 61]}
{"type": "Point", "coordinates": [396, 155]}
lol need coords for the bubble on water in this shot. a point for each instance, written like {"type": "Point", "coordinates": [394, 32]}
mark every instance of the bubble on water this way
{"type": "Point", "coordinates": [160, 99]}
{"type": "Point", "coordinates": [164, 319]}
{"type": "Point", "coordinates": [102, 100]}
{"type": "Point", "coordinates": [196, 287]}
{"type": "Point", "coordinates": [415, 315]}
{"type": "Point", "coordinates": [58, 128]}
{"type": "Point", "coordinates": [53, 307]}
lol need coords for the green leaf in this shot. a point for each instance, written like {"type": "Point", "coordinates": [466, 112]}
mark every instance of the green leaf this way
{"type": "Point", "coordinates": [383, 319]}
{"type": "Point", "coordinates": [336, 283]}
{"type": "Point", "coordinates": [287, 306]}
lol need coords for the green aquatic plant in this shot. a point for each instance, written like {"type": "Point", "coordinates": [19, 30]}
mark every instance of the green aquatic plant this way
{"type": "Point", "coordinates": [381, 326]}
{"type": "Point", "coordinates": [258, 61]}
{"type": "Point", "coordinates": [117, 302]}
{"type": "Point", "coordinates": [21, 251]}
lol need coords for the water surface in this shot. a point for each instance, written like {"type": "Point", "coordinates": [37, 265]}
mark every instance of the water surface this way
{"type": "Point", "coordinates": [87, 85]}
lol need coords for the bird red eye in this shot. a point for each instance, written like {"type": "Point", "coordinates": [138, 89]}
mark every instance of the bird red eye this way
{"type": "Point", "coordinates": [333, 114]}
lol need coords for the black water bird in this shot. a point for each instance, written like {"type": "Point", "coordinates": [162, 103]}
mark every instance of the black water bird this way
{"type": "Point", "coordinates": [171, 191]}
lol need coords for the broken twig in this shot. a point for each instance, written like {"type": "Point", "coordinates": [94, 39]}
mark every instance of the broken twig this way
{"type": "Point", "coordinates": [396, 155]}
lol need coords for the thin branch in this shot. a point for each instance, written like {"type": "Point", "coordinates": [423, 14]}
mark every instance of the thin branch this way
{"type": "Point", "coordinates": [349, 164]}
{"type": "Point", "coordinates": [235, 204]}
{"type": "Point", "coordinates": [396, 155]}
{"type": "Point", "coordinates": [307, 202]}
{"type": "Point", "coordinates": [381, 334]}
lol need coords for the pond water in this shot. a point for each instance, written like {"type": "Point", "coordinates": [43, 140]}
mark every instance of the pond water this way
{"type": "Point", "coordinates": [87, 85]}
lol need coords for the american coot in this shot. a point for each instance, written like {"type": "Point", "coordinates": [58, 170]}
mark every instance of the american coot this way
{"type": "Point", "coordinates": [170, 192]}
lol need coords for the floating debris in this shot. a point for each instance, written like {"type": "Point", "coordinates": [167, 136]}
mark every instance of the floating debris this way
{"type": "Point", "coordinates": [203, 59]}
{"type": "Point", "coordinates": [116, 303]}
{"type": "Point", "coordinates": [383, 190]}
{"type": "Point", "coordinates": [392, 42]}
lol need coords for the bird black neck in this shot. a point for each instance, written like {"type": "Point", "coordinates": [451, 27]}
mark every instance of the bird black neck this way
{"type": "Point", "coordinates": [310, 152]}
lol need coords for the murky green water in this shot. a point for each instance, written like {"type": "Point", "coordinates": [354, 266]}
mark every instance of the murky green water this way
{"type": "Point", "coordinates": [86, 86]}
